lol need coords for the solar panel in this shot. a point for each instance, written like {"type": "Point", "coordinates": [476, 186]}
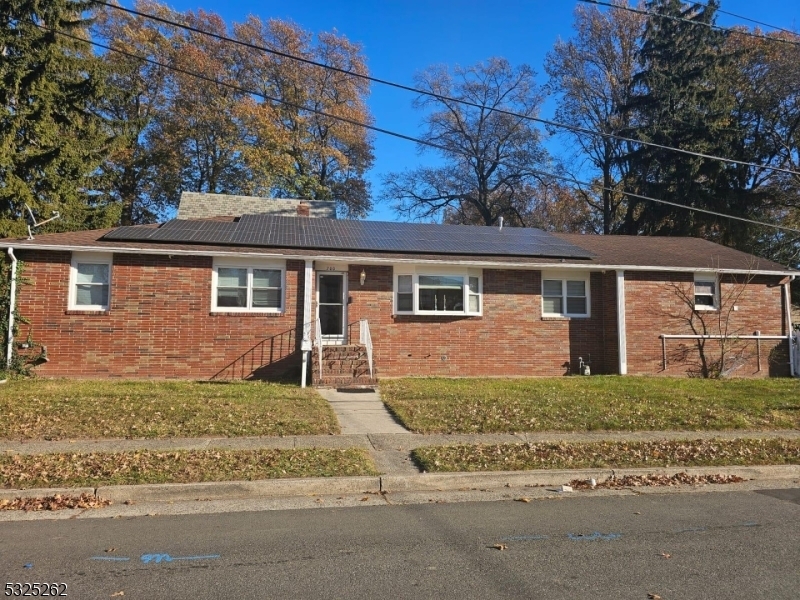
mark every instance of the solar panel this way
{"type": "Point", "coordinates": [366, 236]}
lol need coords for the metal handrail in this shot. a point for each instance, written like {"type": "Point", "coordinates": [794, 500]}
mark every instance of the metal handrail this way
{"type": "Point", "coordinates": [366, 341]}
{"type": "Point", "coordinates": [685, 336]}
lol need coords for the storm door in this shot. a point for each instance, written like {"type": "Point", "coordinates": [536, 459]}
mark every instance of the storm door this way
{"type": "Point", "coordinates": [332, 307]}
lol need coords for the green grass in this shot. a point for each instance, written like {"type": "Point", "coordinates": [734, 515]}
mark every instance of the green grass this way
{"type": "Point", "coordinates": [592, 403]}
{"type": "Point", "coordinates": [73, 409]}
{"type": "Point", "coordinates": [684, 453]}
{"type": "Point", "coordinates": [193, 466]}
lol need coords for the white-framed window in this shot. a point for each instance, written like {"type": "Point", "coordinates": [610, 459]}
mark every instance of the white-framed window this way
{"type": "Point", "coordinates": [565, 294]}
{"type": "Point", "coordinates": [90, 281]}
{"type": "Point", "coordinates": [438, 291]}
{"type": "Point", "coordinates": [706, 291]}
{"type": "Point", "coordinates": [248, 286]}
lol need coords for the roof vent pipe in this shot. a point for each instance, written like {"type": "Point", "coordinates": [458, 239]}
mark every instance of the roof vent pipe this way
{"type": "Point", "coordinates": [501, 225]}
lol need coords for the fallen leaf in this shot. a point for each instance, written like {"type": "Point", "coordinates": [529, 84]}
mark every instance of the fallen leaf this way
{"type": "Point", "coordinates": [654, 596]}
{"type": "Point", "coordinates": [666, 555]}
{"type": "Point", "coordinates": [365, 498]}
{"type": "Point", "coordinates": [499, 546]}
{"type": "Point", "coordinates": [523, 500]}
{"type": "Point", "coordinates": [109, 550]}
{"type": "Point", "coordinates": [119, 593]}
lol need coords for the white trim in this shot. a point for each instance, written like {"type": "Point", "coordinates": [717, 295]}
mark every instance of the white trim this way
{"type": "Point", "coordinates": [563, 277]}
{"type": "Point", "coordinates": [445, 270]}
{"type": "Point", "coordinates": [622, 340]}
{"type": "Point", "coordinates": [249, 264]}
{"type": "Point", "coordinates": [88, 258]}
{"type": "Point", "coordinates": [787, 299]}
{"type": "Point", "coordinates": [394, 260]}
{"type": "Point", "coordinates": [305, 344]}
{"type": "Point", "coordinates": [12, 300]}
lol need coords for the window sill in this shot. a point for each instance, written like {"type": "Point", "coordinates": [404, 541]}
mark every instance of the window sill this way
{"type": "Point", "coordinates": [446, 316]}
{"type": "Point", "coordinates": [244, 313]}
{"type": "Point", "coordinates": [563, 317]}
{"type": "Point", "coordinates": [88, 312]}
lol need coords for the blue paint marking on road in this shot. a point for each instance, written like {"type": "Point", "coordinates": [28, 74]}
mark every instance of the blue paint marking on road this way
{"type": "Point", "coordinates": [749, 524]}
{"type": "Point", "coordinates": [594, 537]}
{"type": "Point", "coordinates": [159, 558]}
{"type": "Point", "coordinates": [524, 538]}
{"type": "Point", "coordinates": [111, 558]}
{"type": "Point", "coordinates": [28, 566]}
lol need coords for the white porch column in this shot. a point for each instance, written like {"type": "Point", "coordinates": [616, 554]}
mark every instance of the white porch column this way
{"type": "Point", "coordinates": [622, 343]}
{"type": "Point", "coordinates": [305, 344]}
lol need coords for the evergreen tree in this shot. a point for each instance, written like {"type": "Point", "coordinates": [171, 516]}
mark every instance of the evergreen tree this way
{"type": "Point", "coordinates": [682, 98]}
{"type": "Point", "coordinates": [51, 137]}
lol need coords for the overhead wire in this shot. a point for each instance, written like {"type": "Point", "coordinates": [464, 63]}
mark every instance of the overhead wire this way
{"type": "Point", "coordinates": [650, 13]}
{"type": "Point", "coordinates": [441, 97]}
{"type": "Point", "coordinates": [540, 173]}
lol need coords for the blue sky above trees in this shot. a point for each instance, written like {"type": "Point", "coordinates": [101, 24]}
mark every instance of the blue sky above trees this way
{"type": "Point", "coordinates": [402, 37]}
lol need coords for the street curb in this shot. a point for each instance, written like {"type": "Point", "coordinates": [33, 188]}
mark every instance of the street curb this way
{"type": "Point", "coordinates": [318, 486]}
{"type": "Point", "coordinates": [498, 479]}
{"type": "Point", "coordinates": [179, 492]}
{"type": "Point", "coordinates": [43, 492]}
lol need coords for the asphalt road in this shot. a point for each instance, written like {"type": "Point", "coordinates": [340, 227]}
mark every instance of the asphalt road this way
{"type": "Point", "coordinates": [727, 545]}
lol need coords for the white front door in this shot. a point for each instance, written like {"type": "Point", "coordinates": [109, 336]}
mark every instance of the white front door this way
{"type": "Point", "coordinates": [332, 307]}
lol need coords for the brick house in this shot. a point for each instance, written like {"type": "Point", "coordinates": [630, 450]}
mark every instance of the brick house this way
{"type": "Point", "coordinates": [219, 295]}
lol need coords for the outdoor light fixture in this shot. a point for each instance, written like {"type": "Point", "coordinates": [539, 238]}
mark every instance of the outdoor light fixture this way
{"type": "Point", "coordinates": [363, 277]}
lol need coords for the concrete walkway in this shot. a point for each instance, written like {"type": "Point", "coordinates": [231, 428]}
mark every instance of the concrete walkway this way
{"type": "Point", "coordinates": [361, 411]}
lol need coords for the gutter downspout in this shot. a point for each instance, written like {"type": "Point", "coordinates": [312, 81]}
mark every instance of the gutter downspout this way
{"type": "Point", "coordinates": [305, 345]}
{"type": "Point", "coordinates": [622, 342]}
{"type": "Point", "coordinates": [787, 297]}
{"type": "Point", "coordinates": [11, 306]}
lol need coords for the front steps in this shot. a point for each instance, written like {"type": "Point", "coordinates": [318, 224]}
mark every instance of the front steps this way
{"type": "Point", "coordinates": [342, 366]}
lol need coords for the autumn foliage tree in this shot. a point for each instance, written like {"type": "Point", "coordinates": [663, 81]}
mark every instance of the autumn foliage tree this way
{"type": "Point", "coordinates": [208, 115]}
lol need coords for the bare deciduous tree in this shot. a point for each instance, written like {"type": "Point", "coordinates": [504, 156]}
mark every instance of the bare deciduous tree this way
{"type": "Point", "coordinates": [592, 74]}
{"type": "Point", "coordinates": [491, 159]}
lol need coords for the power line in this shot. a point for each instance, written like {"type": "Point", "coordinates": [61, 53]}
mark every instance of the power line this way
{"type": "Point", "coordinates": [692, 22]}
{"type": "Point", "coordinates": [430, 144]}
{"type": "Point", "coordinates": [400, 86]}
{"type": "Point", "coordinates": [774, 27]}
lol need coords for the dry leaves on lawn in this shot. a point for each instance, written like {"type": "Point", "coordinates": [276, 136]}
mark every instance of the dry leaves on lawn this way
{"type": "Point", "coordinates": [649, 480]}
{"type": "Point", "coordinates": [57, 502]}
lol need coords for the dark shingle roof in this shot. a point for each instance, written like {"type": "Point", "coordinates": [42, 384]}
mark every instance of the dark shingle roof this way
{"type": "Point", "coordinates": [362, 236]}
{"type": "Point", "coordinates": [639, 252]}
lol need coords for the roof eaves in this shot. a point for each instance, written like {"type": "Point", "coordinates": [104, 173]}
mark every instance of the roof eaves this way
{"type": "Point", "coordinates": [399, 260]}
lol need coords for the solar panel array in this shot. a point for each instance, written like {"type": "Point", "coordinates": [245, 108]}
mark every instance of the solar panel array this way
{"type": "Point", "coordinates": [365, 236]}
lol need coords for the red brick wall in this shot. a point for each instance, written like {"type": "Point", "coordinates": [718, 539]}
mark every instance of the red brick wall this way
{"type": "Point", "coordinates": [510, 339]}
{"type": "Point", "coordinates": [660, 303]}
{"type": "Point", "coordinates": [159, 324]}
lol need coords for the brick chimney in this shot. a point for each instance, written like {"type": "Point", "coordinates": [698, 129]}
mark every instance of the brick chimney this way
{"type": "Point", "coordinates": [303, 209]}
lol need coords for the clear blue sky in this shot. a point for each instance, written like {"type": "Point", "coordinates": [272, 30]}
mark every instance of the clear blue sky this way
{"type": "Point", "coordinates": [402, 37]}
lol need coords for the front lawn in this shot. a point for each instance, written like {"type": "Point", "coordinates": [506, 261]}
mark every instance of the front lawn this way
{"type": "Point", "coordinates": [592, 403]}
{"type": "Point", "coordinates": [185, 466]}
{"type": "Point", "coordinates": [614, 455]}
{"type": "Point", "coordinates": [73, 409]}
